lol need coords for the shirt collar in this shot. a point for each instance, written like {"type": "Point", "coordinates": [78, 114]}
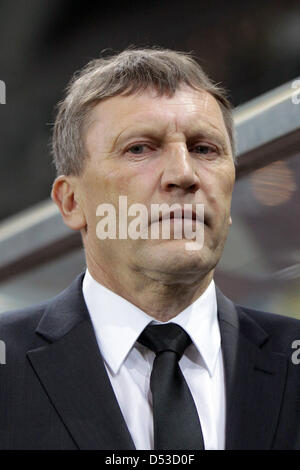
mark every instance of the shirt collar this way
{"type": "Point", "coordinates": [118, 323]}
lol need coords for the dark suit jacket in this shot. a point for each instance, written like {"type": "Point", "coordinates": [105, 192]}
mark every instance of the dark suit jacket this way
{"type": "Point", "coordinates": [55, 392]}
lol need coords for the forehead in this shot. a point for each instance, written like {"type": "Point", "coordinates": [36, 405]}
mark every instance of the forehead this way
{"type": "Point", "coordinates": [185, 110]}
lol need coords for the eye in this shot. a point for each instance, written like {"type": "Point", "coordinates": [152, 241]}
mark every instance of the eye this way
{"type": "Point", "coordinates": [204, 149]}
{"type": "Point", "coordinates": [137, 149]}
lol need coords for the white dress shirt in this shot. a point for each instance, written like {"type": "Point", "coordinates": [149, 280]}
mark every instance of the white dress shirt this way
{"type": "Point", "coordinates": [118, 323]}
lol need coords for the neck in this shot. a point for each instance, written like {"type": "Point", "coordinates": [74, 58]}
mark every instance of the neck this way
{"type": "Point", "coordinates": [161, 296]}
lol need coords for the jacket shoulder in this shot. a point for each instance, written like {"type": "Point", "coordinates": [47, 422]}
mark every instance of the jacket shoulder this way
{"type": "Point", "coordinates": [17, 328]}
{"type": "Point", "coordinates": [19, 318]}
{"type": "Point", "coordinates": [20, 329]}
{"type": "Point", "coordinates": [282, 330]}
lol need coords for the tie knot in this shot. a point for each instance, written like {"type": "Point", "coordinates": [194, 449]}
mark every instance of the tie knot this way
{"type": "Point", "coordinates": [168, 337]}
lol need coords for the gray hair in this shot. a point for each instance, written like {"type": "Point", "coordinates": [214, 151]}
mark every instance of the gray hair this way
{"type": "Point", "coordinates": [126, 73]}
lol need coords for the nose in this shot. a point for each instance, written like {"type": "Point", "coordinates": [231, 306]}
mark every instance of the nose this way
{"type": "Point", "coordinates": [178, 170]}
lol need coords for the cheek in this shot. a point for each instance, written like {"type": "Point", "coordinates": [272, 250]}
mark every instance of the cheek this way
{"type": "Point", "coordinates": [135, 182]}
{"type": "Point", "coordinates": [115, 185]}
{"type": "Point", "coordinates": [105, 186]}
{"type": "Point", "coordinates": [224, 180]}
{"type": "Point", "coordinates": [110, 185]}
{"type": "Point", "coordinates": [219, 190]}
{"type": "Point", "coordinates": [228, 184]}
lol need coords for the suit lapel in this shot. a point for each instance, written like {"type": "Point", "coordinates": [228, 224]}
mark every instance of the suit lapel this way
{"type": "Point", "coordinates": [73, 374]}
{"type": "Point", "coordinates": [254, 379]}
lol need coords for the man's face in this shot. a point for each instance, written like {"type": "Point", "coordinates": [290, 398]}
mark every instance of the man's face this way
{"type": "Point", "coordinates": [158, 150]}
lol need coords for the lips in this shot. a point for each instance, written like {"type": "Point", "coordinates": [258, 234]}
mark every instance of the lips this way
{"type": "Point", "coordinates": [180, 213]}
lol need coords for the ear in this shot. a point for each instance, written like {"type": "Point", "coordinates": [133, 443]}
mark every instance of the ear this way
{"type": "Point", "coordinates": [230, 220]}
{"type": "Point", "coordinates": [64, 195]}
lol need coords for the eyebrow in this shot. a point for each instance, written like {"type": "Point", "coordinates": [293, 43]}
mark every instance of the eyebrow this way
{"type": "Point", "coordinates": [210, 134]}
{"type": "Point", "coordinates": [148, 131]}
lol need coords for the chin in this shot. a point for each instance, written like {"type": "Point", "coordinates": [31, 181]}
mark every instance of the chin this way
{"type": "Point", "coordinates": [173, 259]}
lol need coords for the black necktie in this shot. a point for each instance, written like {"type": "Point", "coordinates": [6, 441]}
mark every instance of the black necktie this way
{"type": "Point", "coordinates": [175, 418]}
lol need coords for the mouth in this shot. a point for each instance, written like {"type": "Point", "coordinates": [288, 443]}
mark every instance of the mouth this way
{"type": "Point", "coordinates": [182, 214]}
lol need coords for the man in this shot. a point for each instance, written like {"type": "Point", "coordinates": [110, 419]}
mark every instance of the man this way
{"type": "Point", "coordinates": [85, 370]}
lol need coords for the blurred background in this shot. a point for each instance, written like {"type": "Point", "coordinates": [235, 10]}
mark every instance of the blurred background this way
{"type": "Point", "coordinates": [251, 47]}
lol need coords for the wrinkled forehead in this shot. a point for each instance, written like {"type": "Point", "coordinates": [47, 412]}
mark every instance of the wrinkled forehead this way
{"type": "Point", "coordinates": [185, 110]}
